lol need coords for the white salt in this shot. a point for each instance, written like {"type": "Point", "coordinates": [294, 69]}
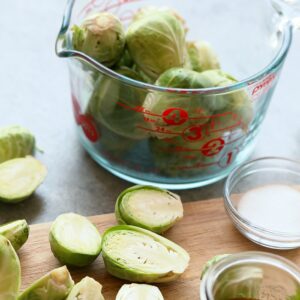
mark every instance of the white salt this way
{"type": "Point", "coordinates": [272, 207]}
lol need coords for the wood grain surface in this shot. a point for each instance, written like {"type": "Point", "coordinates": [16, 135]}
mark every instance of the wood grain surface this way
{"type": "Point", "coordinates": [204, 232]}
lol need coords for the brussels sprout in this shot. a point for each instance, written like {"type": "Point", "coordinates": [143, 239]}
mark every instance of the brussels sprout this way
{"type": "Point", "coordinates": [10, 271]}
{"type": "Point", "coordinates": [19, 178]}
{"type": "Point", "coordinates": [102, 37]}
{"type": "Point", "coordinates": [116, 105]}
{"type": "Point", "coordinates": [55, 285]}
{"type": "Point", "coordinates": [202, 56]}
{"type": "Point", "coordinates": [136, 291]}
{"type": "Point", "coordinates": [15, 141]}
{"type": "Point", "coordinates": [16, 232]}
{"type": "Point", "coordinates": [174, 112]}
{"type": "Point", "coordinates": [148, 207]}
{"type": "Point", "coordinates": [74, 240]}
{"type": "Point", "coordinates": [86, 289]}
{"type": "Point", "coordinates": [139, 255]}
{"type": "Point", "coordinates": [157, 43]}
{"type": "Point", "coordinates": [211, 262]}
{"type": "Point", "coordinates": [125, 61]}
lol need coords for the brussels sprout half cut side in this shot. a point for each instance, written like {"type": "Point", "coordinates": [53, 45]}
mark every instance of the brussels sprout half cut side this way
{"type": "Point", "coordinates": [136, 291]}
{"type": "Point", "coordinates": [19, 178]}
{"type": "Point", "coordinates": [149, 207]}
{"type": "Point", "coordinates": [139, 255]}
{"type": "Point", "coordinates": [74, 240]}
{"type": "Point", "coordinates": [10, 271]}
{"type": "Point", "coordinates": [16, 232]}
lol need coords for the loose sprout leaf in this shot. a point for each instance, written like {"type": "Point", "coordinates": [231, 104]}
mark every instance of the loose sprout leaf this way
{"type": "Point", "coordinates": [139, 292]}
{"type": "Point", "coordinates": [19, 178]}
{"type": "Point", "coordinates": [74, 240]}
{"type": "Point", "coordinates": [10, 271]}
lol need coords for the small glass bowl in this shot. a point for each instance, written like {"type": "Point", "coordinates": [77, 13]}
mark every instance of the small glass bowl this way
{"type": "Point", "coordinates": [251, 275]}
{"type": "Point", "coordinates": [255, 174]}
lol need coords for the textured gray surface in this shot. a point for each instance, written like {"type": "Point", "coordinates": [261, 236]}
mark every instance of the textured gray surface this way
{"type": "Point", "coordinates": [34, 92]}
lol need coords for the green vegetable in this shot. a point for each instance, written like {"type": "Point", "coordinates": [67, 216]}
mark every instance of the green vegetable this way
{"type": "Point", "coordinates": [174, 112]}
{"type": "Point", "coordinates": [102, 37]}
{"type": "Point", "coordinates": [202, 56]}
{"type": "Point", "coordinates": [113, 104]}
{"type": "Point", "coordinates": [86, 289]}
{"type": "Point", "coordinates": [156, 43]}
{"type": "Point", "coordinates": [16, 232]}
{"type": "Point", "coordinates": [74, 240]}
{"type": "Point", "coordinates": [136, 291]}
{"type": "Point", "coordinates": [211, 262]}
{"type": "Point", "coordinates": [139, 255]}
{"type": "Point", "coordinates": [19, 178]}
{"type": "Point", "coordinates": [148, 207]}
{"type": "Point", "coordinates": [10, 271]}
{"type": "Point", "coordinates": [55, 285]}
{"type": "Point", "coordinates": [125, 61]}
{"type": "Point", "coordinates": [15, 141]}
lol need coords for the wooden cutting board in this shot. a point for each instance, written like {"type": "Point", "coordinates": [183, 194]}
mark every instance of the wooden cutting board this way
{"type": "Point", "coordinates": [204, 232]}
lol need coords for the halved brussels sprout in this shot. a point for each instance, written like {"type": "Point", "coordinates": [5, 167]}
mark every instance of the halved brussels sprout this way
{"type": "Point", "coordinates": [86, 289]}
{"type": "Point", "coordinates": [16, 232]}
{"type": "Point", "coordinates": [136, 291]}
{"type": "Point", "coordinates": [157, 43]}
{"type": "Point", "coordinates": [139, 255]}
{"type": "Point", "coordinates": [15, 141]}
{"type": "Point", "coordinates": [148, 207]}
{"type": "Point", "coordinates": [74, 240]}
{"type": "Point", "coordinates": [202, 57]}
{"type": "Point", "coordinates": [19, 178]}
{"type": "Point", "coordinates": [102, 37]}
{"type": "Point", "coordinates": [10, 271]}
{"type": "Point", "coordinates": [55, 285]}
{"type": "Point", "coordinates": [211, 262]}
{"type": "Point", "coordinates": [115, 105]}
{"type": "Point", "coordinates": [173, 112]}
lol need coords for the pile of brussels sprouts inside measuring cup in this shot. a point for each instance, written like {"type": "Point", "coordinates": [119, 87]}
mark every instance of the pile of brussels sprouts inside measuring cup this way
{"type": "Point", "coordinates": [154, 50]}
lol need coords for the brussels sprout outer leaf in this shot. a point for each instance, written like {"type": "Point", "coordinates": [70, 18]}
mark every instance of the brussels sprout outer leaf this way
{"type": "Point", "coordinates": [211, 262]}
{"type": "Point", "coordinates": [16, 232]}
{"type": "Point", "coordinates": [10, 271]}
{"type": "Point", "coordinates": [74, 240]}
{"type": "Point", "coordinates": [139, 291]}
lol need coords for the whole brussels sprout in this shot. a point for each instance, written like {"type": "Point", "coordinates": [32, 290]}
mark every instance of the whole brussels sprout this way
{"type": "Point", "coordinates": [136, 291]}
{"type": "Point", "coordinates": [56, 285]}
{"type": "Point", "coordinates": [157, 43]}
{"type": "Point", "coordinates": [102, 37]}
{"type": "Point", "coordinates": [10, 271]}
{"type": "Point", "coordinates": [202, 56]}
{"type": "Point", "coordinates": [74, 240]}
{"type": "Point", "coordinates": [116, 105]}
{"type": "Point", "coordinates": [86, 289]}
{"type": "Point", "coordinates": [139, 255]}
{"type": "Point", "coordinates": [19, 178]}
{"type": "Point", "coordinates": [15, 141]}
{"type": "Point", "coordinates": [16, 232]}
{"type": "Point", "coordinates": [148, 207]}
{"type": "Point", "coordinates": [174, 112]}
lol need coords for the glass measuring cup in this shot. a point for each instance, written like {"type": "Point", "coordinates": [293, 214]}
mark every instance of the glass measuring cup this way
{"type": "Point", "coordinates": [251, 275]}
{"type": "Point", "coordinates": [193, 137]}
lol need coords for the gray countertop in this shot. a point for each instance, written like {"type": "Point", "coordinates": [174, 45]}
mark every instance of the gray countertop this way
{"type": "Point", "coordinates": [34, 92]}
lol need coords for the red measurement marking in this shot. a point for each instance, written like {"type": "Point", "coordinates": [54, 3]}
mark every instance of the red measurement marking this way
{"type": "Point", "coordinates": [158, 130]}
{"type": "Point", "coordinates": [193, 133]}
{"type": "Point", "coordinates": [76, 109]}
{"type": "Point", "coordinates": [213, 147]}
{"type": "Point", "coordinates": [89, 128]}
{"type": "Point", "coordinates": [263, 86]}
{"type": "Point", "coordinates": [228, 158]}
{"type": "Point", "coordinates": [175, 116]}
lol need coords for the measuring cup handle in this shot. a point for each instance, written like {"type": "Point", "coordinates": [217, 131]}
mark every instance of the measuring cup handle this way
{"type": "Point", "coordinates": [290, 11]}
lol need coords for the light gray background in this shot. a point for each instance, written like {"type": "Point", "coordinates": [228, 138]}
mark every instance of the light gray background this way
{"type": "Point", "coordinates": [34, 92]}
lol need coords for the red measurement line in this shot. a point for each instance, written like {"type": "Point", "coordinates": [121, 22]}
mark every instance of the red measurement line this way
{"type": "Point", "coordinates": [237, 139]}
{"type": "Point", "coordinates": [159, 131]}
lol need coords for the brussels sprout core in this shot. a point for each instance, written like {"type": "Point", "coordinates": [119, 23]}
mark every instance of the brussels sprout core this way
{"type": "Point", "coordinates": [140, 255]}
{"type": "Point", "coordinates": [10, 271]}
{"type": "Point", "coordinates": [86, 289]}
{"type": "Point", "coordinates": [55, 285]}
{"type": "Point", "coordinates": [19, 178]}
{"type": "Point", "coordinates": [16, 232]}
{"type": "Point", "coordinates": [139, 291]}
{"type": "Point", "coordinates": [149, 207]}
{"type": "Point", "coordinates": [74, 240]}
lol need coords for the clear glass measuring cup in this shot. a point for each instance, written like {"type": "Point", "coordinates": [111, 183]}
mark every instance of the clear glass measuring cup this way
{"type": "Point", "coordinates": [192, 137]}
